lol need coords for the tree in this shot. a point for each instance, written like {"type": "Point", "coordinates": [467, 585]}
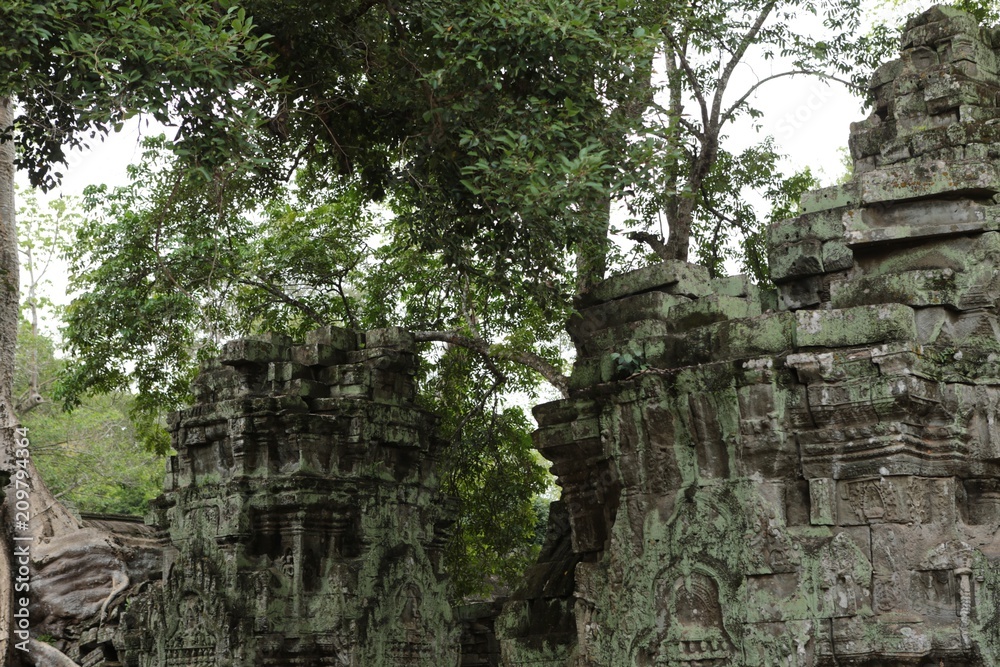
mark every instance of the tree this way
{"type": "Point", "coordinates": [69, 69]}
{"type": "Point", "coordinates": [93, 459]}
{"type": "Point", "coordinates": [496, 135]}
{"type": "Point", "coordinates": [704, 45]}
{"type": "Point", "coordinates": [300, 263]}
{"type": "Point", "coordinates": [43, 232]}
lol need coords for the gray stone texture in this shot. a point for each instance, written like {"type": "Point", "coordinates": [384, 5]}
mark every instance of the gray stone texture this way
{"type": "Point", "coordinates": [304, 515]}
{"type": "Point", "coordinates": [813, 482]}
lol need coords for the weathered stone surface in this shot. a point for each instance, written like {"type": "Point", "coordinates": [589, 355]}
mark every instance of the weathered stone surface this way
{"type": "Point", "coordinates": [815, 486]}
{"type": "Point", "coordinates": [935, 177]}
{"type": "Point", "coordinates": [924, 219]}
{"type": "Point", "coordinates": [304, 518]}
{"type": "Point", "coordinates": [854, 326]}
{"type": "Point", "coordinates": [677, 278]}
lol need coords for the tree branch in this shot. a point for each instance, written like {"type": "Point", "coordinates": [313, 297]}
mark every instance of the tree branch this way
{"type": "Point", "coordinates": [798, 72]}
{"type": "Point", "coordinates": [271, 289]}
{"type": "Point", "coordinates": [691, 76]}
{"type": "Point", "coordinates": [480, 346]}
{"type": "Point", "coordinates": [654, 241]}
{"type": "Point", "coordinates": [25, 406]}
{"type": "Point", "coordinates": [741, 50]}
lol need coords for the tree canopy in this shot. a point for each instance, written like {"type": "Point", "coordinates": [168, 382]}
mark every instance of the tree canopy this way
{"type": "Point", "coordinates": [79, 68]}
{"type": "Point", "coordinates": [447, 167]}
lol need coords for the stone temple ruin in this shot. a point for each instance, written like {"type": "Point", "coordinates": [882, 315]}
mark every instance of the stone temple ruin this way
{"type": "Point", "coordinates": [304, 519]}
{"type": "Point", "coordinates": [806, 477]}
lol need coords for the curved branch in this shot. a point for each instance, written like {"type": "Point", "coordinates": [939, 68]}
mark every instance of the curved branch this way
{"type": "Point", "coordinates": [482, 347]}
{"type": "Point", "coordinates": [737, 56]}
{"type": "Point", "coordinates": [797, 72]}
{"type": "Point", "coordinates": [271, 289]}
{"type": "Point", "coordinates": [654, 241]}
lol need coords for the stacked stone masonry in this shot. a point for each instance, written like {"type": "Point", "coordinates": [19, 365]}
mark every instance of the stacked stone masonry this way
{"type": "Point", "coordinates": [305, 521]}
{"type": "Point", "coordinates": [803, 477]}
{"type": "Point", "coordinates": [810, 476]}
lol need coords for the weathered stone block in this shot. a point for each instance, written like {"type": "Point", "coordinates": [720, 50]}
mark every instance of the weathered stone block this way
{"type": "Point", "coordinates": [855, 326]}
{"type": "Point", "coordinates": [337, 337]}
{"type": "Point", "coordinates": [645, 306]}
{"type": "Point", "coordinates": [824, 225]}
{"type": "Point", "coordinates": [678, 278]}
{"type": "Point", "coordinates": [250, 351]}
{"type": "Point", "coordinates": [609, 339]}
{"type": "Point", "coordinates": [929, 287]}
{"type": "Point", "coordinates": [836, 196]}
{"type": "Point", "coordinates": [793, 260]}
{"type": "Point", "coordinates": [822, 502]}
{"type": "Point", "coordinates": [772, 333]}
{"type": "Point", "coordinates": [918, 220]}
{"type": "Point", "coordinates": [694, 346]}
{"type": "Point", "coordinates": [867, 141]}
{"type": "Point", "coordinates": [836, 256]}
{"type": "Point", "coordinates": [711, 309]}
{"type": "Point", "coordinates": [801, 293]}
{"type": "Point", "coordinates": [912, 181]}
{"type": "Point", "coordinates": [318, 354]}
{"type": "Point", "coordinates": [951, 22]}
{"type": "Point", "coordinates": [735, 286]}
{"type": "Point", "coordinates": [392, 337]}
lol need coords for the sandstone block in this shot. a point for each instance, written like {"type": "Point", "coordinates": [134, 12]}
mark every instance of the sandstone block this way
{"type": "Point", "coordinates": [912, 181]}
{"type": "Point", "coordinates": [678, 278]}
{"type": "Point", "coordinates": [854, 326]}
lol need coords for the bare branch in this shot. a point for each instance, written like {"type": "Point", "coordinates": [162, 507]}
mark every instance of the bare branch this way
{"type": "Point", "coordinates": [798, 72]}
{"type": "Point", "coordinates": [748, 39]}
{"type": "Point", "coordinates": [484, 348]}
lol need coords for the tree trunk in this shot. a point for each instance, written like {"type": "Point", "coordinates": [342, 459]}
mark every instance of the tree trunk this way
{"type": "Point", "coordinates": [9, 300]}
{"type": "Point", "coordinates": [592, 257]}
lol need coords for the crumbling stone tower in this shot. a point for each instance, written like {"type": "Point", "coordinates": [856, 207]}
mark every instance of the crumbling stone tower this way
{"type": "Point", "coordinates": [305, 521]}
{"type": "Point", "coordinates": [810, 477]}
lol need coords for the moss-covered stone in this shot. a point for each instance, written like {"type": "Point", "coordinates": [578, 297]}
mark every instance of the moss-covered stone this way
{"type": "Point", "coordinates": [815, 487]}
{"type": "Point", "coordinates": [303, 512]}
{"type": "Point", "coordinates": [854, 326]}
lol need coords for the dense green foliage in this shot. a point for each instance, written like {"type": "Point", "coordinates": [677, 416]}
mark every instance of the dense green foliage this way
{"type": "Point", "coordinates": [454, 166]}
{"type": "Point", "coordinates": [292, 266]}
{"type": "Point", "coordinates": [702, 187]}
{"type": "Point", "coordinates": [79, 68]}
{"type": "Point", "coordinates": [492, 468]}
{"type": "Point", "coordinates": [91, 459]}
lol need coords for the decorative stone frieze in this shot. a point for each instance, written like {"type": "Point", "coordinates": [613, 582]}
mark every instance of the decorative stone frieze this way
{"type": "Point", "coordinates": [808, 478]}
{"type": "Point", "coordinates": [305, 521]}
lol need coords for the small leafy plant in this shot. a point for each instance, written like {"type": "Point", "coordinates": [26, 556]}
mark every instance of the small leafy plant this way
{"type": "Point", "coordinates": [631, 361]}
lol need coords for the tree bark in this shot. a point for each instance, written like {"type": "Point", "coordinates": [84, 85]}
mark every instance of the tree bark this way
{"type": "Point", "coordinates": [592, 257]}
{"type": "Point", "coordinates": [9, 301]}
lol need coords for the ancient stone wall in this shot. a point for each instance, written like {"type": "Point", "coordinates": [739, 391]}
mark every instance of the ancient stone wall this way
{"type": "Point", "coordinates": [304, 516]}
{"type": "Point", "coordinates": [806, 477]}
